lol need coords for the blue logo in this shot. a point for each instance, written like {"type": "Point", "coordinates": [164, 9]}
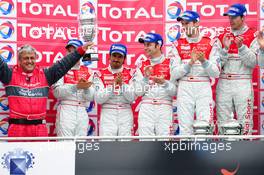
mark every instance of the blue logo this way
{"type": "Point", "coordinates": [92, 127]}
{"type": "Point", "coordinates": [6, 7]}
{"type": "Point", "coordinates": [3, 99]}
{"type": "Point", "coordinates": [4, 126]}
{"type": "Point", "coordinates": [177, 131]}
{"type": "Point", "coordinates": [262, 78]}
{"type": "Point", "coordinates": [88, 8]}
{"type": "Point", "coordinates": [174, 33]}
{"type": "Point", "coordinates": [90, 107]}
{"type": "Point", "coordinates": [18, 161]}
{"type": "Point", "coordinates": [174, 10]}
{"type": "Point", "coordinates": [7, 53]}
{"type": "Point", "coordinates": [6, 30]}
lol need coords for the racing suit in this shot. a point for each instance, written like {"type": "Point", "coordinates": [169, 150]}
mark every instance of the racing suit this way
{"type": "Point", "coordinates": [116, 114]}
{"type": "Point", "coordinates": [234, 90]}
{"type": "Point", "coordinates": [155, 113]}
{"type": "Point", "coordinates": [72, 118]}
{"type": "Point", "coordinates": [28, 93]}
{"type": "Point", "coordinates": [194, 90]}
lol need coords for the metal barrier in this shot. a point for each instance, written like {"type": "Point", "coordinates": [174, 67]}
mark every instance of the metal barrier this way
{"type": "Point", "coordinates": [80, 138]}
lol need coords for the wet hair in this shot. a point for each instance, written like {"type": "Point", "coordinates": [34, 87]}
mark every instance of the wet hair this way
{"type": "Point", "coordinates": [26, 48]}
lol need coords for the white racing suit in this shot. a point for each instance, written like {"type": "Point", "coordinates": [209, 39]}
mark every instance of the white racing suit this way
{"type": "Point", "coordinates": [194, 90]}
{"type": "Point", "coordinates": [234, 89]}
{"type": "Point", "coordinates": [155, 113]}
{"type": "Point", "coordinates": [116, 117]}
{"type": "Point", "coordinates": [72, 118]}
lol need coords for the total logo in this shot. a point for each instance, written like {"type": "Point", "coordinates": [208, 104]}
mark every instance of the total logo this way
{"type": "Point", "coordinates": [4, 126]}
{"type": "Point", "coordinates": [6, 30]}
{"type": "Point", "coordinates": [216, 10]}
{"type": "Point", "coordinates": [4, 103]}
{"type": "Point", "coordinates": [6, 53]}
{"type": "Point", "coordinates": [87, 8]}
{"type": "Point", "coordinates": [17, 161]}
{"type": "Point", "coordinates": [174, 33]}
{"type": "Point", "coordinates": [6, 7]}
{"type": "Point", "coordinates": [174, 10]}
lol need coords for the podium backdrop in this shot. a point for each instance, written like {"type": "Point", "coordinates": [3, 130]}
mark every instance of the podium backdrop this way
{"type": "Point", "coordinates": [48, 25]}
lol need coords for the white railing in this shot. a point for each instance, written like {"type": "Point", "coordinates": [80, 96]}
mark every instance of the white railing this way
{"type": "Point", "coordinates": [191, 137]}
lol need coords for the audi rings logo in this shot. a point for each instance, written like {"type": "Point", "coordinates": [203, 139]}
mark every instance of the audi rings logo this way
{"type": "Point", "coordinates": [6, 6]}
{"type": "Point", "coordinates": [174, 33]}
{"type": "Point", "coordinates": [87, 8]}
{"type": "Point", "coordinates": [6, 30]}
{"type": "Point", "coordinates": [6, 53]}
{"type": "Point", "coordinates": [174, 9]}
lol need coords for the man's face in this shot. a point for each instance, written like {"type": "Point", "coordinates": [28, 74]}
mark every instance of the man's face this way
{"type": "Point", "coordinates": [189, 27]}
{"type": "Point", "coordinates": [116, 60]}
{"type": "Point", "coordinates": [70, 49]}
{"type": "Point", "coordinates": [151, 48]}
{"type": "Point", "coordinates": [27, 61]}
{"type": "Point", "coordinates": [236, 22]}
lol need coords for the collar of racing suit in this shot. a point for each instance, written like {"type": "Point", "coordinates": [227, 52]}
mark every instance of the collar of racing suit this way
{"type": "Point", "coordinates": [157, 60]}
{"type": "Point", "coordinates": [114, 71]}
{"type": "Point", "coordinates": [240, 31]}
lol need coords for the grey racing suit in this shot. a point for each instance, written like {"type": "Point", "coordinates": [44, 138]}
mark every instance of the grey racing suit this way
{"type": "Point", "coordinates": [72, 118]}
{"type": "Point", "coordinates": [194, 90]}
{"type": "Point", "coordinates": [116, 117]}
{"type": "Point", "coordinates": [155, 112]}
{"type": "Point", "coordinates": [234, 92]}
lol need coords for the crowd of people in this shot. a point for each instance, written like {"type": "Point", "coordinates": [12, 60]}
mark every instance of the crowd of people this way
{"type": "Point", "coordinates": [185, 72]}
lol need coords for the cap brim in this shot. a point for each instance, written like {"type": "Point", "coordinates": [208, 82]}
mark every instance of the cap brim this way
{"type": "Point", "coordinates": [67, 46]}
{"type": "Point", "coordinates": [229, 14]}
{"type": "Point", "coordinates": [116, 51]}
{"type": "Point", "coordinates": [141, 40]}
{"type": "Point", "coordinates": [184, 19]}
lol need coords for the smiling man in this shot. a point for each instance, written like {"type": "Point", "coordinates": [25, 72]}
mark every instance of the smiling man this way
{"type": "Point", "coordinates": [153, 82]}
{"type": "Point", "coordinates": [115, 93]}
{"type": "Point", "coordinates": [27, 86]}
